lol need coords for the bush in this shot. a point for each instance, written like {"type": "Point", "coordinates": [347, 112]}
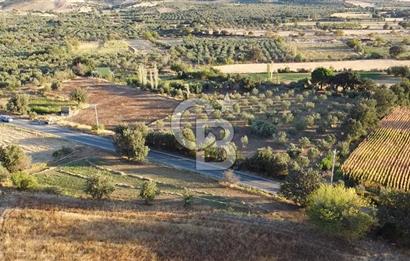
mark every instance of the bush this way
{"type": "Point", "coordinates": [268, 162]}
{"type": "Point", "coordinates": [99, 186]}
{"type": "Point", "coordinates": [393, 214]}
{"type": "Point", "coordinates": [339, 210]}
{"type": "Point", "coordinates": [78, 95]}
{"type": "Point", "coordinates": [294, 151]}
{"type": "Point", "coordinates": [299, 185]}
{"type": "Point", "coordinates": [313, 153]}
{"type": "Point", "coordinates": [130, 141]}
{"type": "Point", "coordinates": [56, 85]}
{"type": "Point", "coordinates": [281, 138]}
{"type": "Point", "coordinates": [304, 142]}
{"type": "Point", "coordinates": [300, 124]}
{"type": "Point", "coordinates": [18, 104]}
{"type": "Point", "coordinates": [64, 151]}
{"type": "Point", "coordinates": [24, 181]}
{"type": "Point", "coordinates": [166, 141]}
{"type": "Point", "coordinates": [13, 158]}
{"type": "Point", "coordinates": [263, 129]}
{"type": "Point", "coordinates": [149, 191]}
{"type": "Point", "coordinates": [327, 162]}
{"type": "Point", "coordinates": [188, 198]}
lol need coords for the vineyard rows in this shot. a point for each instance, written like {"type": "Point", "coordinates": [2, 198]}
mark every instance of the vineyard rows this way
{"type": "Point", "coordinates": [384, 157]}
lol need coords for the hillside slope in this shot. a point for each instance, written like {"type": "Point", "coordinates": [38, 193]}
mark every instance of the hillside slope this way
{"type": "Point", "coordinates": [45, 227]}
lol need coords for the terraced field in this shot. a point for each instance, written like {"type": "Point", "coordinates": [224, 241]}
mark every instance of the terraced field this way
{"type": "Point", "coordinates": [384, 157]}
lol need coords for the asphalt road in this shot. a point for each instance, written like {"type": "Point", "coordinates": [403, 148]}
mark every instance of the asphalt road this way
{"type": "Point", "coordinates": [155, 156]}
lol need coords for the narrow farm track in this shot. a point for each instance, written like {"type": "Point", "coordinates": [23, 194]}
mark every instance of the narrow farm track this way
{"type": "Point", "coordinates": [384, 157]}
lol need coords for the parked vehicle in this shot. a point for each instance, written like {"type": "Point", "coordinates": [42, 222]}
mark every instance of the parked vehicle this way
{"type": "Point", "coordinates": [5, 118]}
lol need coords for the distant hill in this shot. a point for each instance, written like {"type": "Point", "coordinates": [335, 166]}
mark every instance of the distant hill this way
{"type": "Point", "coordinates": [58, 5]}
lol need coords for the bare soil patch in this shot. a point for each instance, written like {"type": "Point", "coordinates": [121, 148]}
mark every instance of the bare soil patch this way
{"type": "Point", "coordinates": [118, 104]}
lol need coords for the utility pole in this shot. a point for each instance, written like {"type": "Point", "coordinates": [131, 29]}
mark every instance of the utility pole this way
{"type": "Point", "coordinates": [96, 115]}
{"type": "Point", "coordinates": [333, 166]}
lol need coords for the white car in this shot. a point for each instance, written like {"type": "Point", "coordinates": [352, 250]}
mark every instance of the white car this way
{"type": "Point", "coordinates": [6, 118]}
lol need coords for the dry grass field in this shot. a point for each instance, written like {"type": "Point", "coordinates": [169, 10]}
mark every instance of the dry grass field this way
{"type": "Point", "coordinates": [358, 65]}
{"type": "Point", "coordinates": [38, 145]}
{"type": "Point", "coordinates": [46, 227]}
{"type": "Point", "coordinates": [384, 157]}
{"type": "Point", "coordinates": [109, 47]}
{"type": "Point", "coordinates": [118, 104]}
{"type": "Point", "coordinates": [316, 50]}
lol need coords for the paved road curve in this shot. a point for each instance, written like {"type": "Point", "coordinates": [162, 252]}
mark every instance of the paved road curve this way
{"type": "Point", "coordinates": [159, 157]}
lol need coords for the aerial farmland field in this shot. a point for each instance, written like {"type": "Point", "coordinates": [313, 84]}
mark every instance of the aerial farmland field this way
{"type": "Point", "coordinates": [205, 130]}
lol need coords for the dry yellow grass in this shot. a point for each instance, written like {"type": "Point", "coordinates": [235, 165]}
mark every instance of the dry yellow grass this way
{"type": "Point", "coordinates": [109, 47]}
{"type": "Point", "coordinates": [357, 65]}
{"type": "Point", "coordinates": [356, 15]}
{"type": "Point", "coordinates": [43, 227]}
{"type": "Point", "coordinates": [38, 145]}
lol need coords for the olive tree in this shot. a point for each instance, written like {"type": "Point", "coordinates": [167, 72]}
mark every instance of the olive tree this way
{"type": "Point", "coordinates": [129, 141]}
{"type": "Point", "coordinates": [299, 185]}
{"type": "Point", "coordinates": [18, 104]}
{"type": "Point", "coordinates": [99, 186]}
{"type": "Point", "coordinates": [13, 158]}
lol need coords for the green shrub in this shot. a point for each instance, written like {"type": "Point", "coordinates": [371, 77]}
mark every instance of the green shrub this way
{"type": "Point", "coordinates": [18, 104]}
{"type": "Point", "coordinates": [188, 198]}
{"type": "Point", "coordinates": [149, 191]}
{"type": "Point", "coordinates": [64, 151]}
{"type": "Point", "coordinates": [166, 141]}
{"type": "Point", "coordinates": [13, 158]}
{"type": "Point", "coordinates": [299, 185]}
{"type": "Point", "coordinates": [263, 128]}
{"type": "Point", "coordinates": [78, 95]}
{"type": "Point", "coordinates": [268, 162]}
{"type": "Point", "coordinates": [393, 214]}
{"type": "Point", "coordinates": [300, 124]}
{"type": "Point", "coordinates": [56, 85]}
{"type": "Point", "coordinates": [327, 162]}
{"type": "Point", "coordinates": [99, 186]}
{"type": "Point", "coordinates": [313, 153]}
{"type": "Point", "coordinates": [281, 138]}
{"type": "Point", "coordinates": [24, 181]}
{"type": "Point", "coordinates": [130, 141]}
{"type": "Point", "coordinates": [340, 211]}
